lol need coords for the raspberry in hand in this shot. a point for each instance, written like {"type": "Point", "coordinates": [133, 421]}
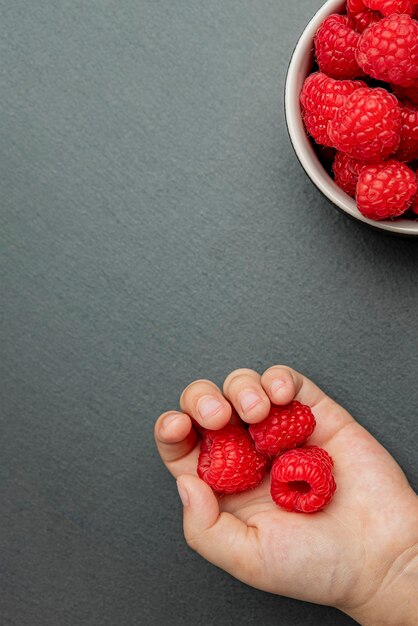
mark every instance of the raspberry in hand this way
{"type": "Point", "coordinates": [229, 462]}
{"type": "Point", "coordinates": [284, 428]}
{"type": "Point", "coordinates": [302, 480]}
{"type": "Point", "coordinates": [368, 529]}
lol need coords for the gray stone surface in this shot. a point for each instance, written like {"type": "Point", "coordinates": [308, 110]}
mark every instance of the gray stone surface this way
{"type": "Point", "coordinates": [155, 228]}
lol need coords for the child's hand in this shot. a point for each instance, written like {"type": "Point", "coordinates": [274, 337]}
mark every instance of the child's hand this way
{"type": "Point", "coordinates": [359, 555]}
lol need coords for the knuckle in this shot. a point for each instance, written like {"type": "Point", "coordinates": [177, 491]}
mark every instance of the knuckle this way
{"type": "Point", "coordinates": [192, 541]}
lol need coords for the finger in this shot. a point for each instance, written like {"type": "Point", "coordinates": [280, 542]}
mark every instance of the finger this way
{"type": "Point", "coordinates": [176, 442]}
{"type": "Point", "coordinates": [243, 389]}
{"type": "Point", "coordinates": [204, 401]}
{"type": "Point", "coordinates": [221, 538]}
{"type": "Point", "coordinates": [284, 384]}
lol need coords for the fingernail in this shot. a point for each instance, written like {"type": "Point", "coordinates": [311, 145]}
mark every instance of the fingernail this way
{"type": "Point", "coordinates": [248, 399]}
{"type": "Point", "coordinates": [276, 385]}
{"type": "Point", "coordinates": [169, 419]}
{"type": "Point", "coordinates": [184, 496]}
{"type": "Point", "coordinates": [209, 406]}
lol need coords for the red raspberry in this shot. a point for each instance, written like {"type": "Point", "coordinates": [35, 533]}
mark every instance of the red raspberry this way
{"type": "Point", "coordinates": [229, 462]}
{"type": "Point", "coordinates": [285, 427]}
{"type": "Point", "coordinates": [335, 45]}
{"type": "Point", "coordinates": [346, 172]}
{"type": "Point", "coordinates": [360, 17]}
{"type": "Point", "coordinates": [406, 93]}
{"type": "Point", "coordinates": [324, 95]}
{"type": "Point", "coordinates": [367, 126]}
{"type": "Point", "coordinates": [317, 127]}
{"type": "Point", "coordinates": [389, 7]}
{"type": "Point", "coordinates": [385, 190]}
{"type": "Point", "coordinates": [302, 480]}
{"type": "Point", "coordinates": [321, 98]}
{"type": "Point", "coordinates": [388, 50]}
{"type": "Point", "coordinates": [408, 148]}
{"type": "Point", "coordinates": [356, 6]}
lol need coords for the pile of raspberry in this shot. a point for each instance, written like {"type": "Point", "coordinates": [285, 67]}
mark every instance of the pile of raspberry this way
{"type": "Point", "coordinates": [235, 459]}
{"type": "Point", "coordinates": [363, 104]}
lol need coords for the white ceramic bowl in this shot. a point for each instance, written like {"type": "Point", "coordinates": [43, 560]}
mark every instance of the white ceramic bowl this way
{"type": "Point", "coordinates": [299, 68]}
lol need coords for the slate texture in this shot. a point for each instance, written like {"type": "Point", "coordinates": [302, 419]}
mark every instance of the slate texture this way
{"type": "Point", "coordinates": [156, 227]}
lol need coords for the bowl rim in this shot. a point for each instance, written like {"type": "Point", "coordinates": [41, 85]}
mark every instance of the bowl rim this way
{"type": "Point", "coordinates": [301, 143]}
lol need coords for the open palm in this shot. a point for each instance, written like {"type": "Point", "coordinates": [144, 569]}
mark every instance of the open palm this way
{"type": "Point", "coordinates": [341, 556]}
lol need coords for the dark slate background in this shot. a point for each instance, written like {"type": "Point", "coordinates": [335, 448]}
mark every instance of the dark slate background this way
{"type": "Point", "coordinates": [156, 228]}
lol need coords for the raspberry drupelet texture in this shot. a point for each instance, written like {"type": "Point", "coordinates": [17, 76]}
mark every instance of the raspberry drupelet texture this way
{"type": "Point", "coordinates": [317, 127]}
{"type": "Point", "coordinates": [360, 17]}
{"type": "Point", "coordinates": [385, 190]}
{"type": "Point", "coordinates": [367, 126]}
{"type": "Point", "coordinates": [229, 462]}
{"type": "Point", "coordinates": [408, 148]}
{"type": "Point", "coordinates": [302, 480]}
{"type": "Point", "coordinates": [356, 6]}
{"type": "Point", "coordinates": [320, 99]}
{"type": "Point", "coordinates": [284, 428]}
{"type": "Point", "coordinates": [388, 50]}
{"type": "Point", "coordinates": [346, 172]}
{"type": "Point", "coordinates": [390, 7]}
{"type": "Point", "coordinates": [335, 46]}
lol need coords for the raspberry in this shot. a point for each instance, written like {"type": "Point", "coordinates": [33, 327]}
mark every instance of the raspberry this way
{"type": "Point", "coordinates": [389, 7]}
{"type": "Point", "coordinates": [335, 45]}
{"type": "Point", "coordinates": [324, 95]}
{"type": "Point", "coordinates": [385, 190]}
{"type": "Point", "coordinates": [367, 125]}
{"type": "Point", "coordinates": [285, 427]}
{"type": "Point", "coordinates": [346, 172]}
{"type": "Point", "coordinates": [408, 148]}
{"type": "Point", "coordinates": [356, 6]}
{"type": "Point", "coordinates": [321, 98]}
{"type": "Point", "coordinates": [229, 462]}
{"type": "Point", "coordinates": [317, 127]}
{"type": "Point", "coordinates": [302, 480]}
{"type": "Point", "coordinates": [388, 50]}
{"type": "Point", "coordinates": [360, 17]}
{"type": "Point", "coordinates": [406, 93]}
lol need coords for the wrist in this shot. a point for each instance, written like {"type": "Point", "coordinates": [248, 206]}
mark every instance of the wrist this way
{"type": "Point", "coordinates": [395, 601]}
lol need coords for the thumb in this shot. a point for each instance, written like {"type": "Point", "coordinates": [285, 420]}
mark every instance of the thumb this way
{"type": "Point", "coordinates": [220, 538]}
